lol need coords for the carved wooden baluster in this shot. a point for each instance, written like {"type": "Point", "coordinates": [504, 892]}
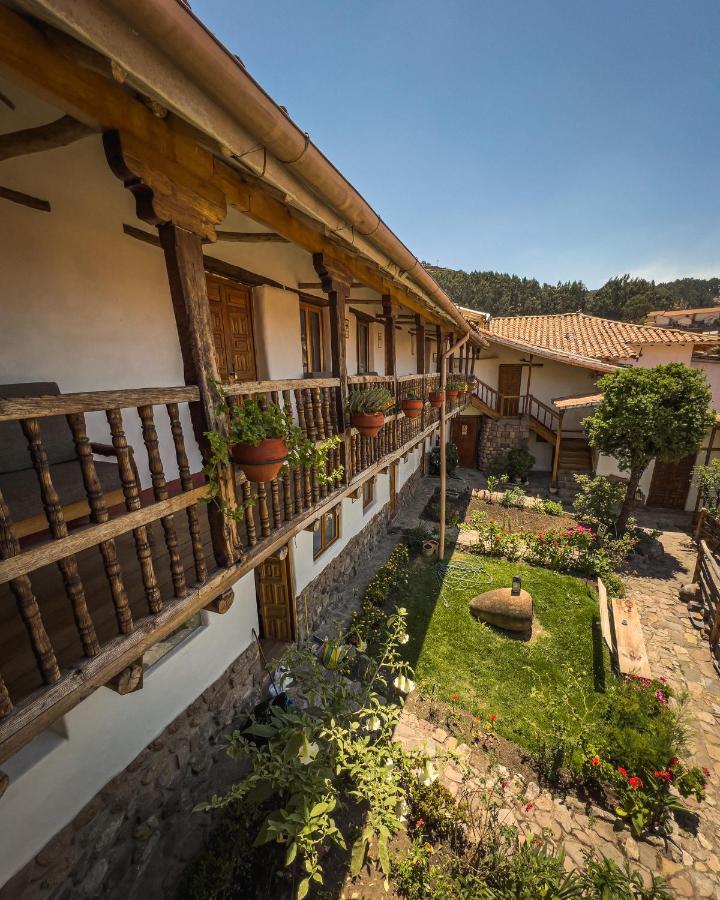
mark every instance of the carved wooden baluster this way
{"type": "Point", "coordinates": [27, 604]}
{"type": "Point", "coordinates": [296, 474]}
{"type": "Point", "coordinates": [318, 413]}
{"type": "Point", "coordinates": [310, 415]}
{"type": "Point", "coordinates": [160, 491]}
{"type": "Point", "coordinates": [329, 414]}
{"type": "Point", "coordinates": [248, 505]}
{"type": "Point", "coordinates": [275, 492]}
{"type": "Point", "coordinates": [131, 492]}
{"type": "Point", "coordinates": [356, 453]}
{"type": "Point", "coordinates": [58, 529]}
{"type": "Point", "coordinates": [186, 483]}
{"type": "Point", "coordinates": [300, 406]}
{"type": "Point", "coordinates": [263, 509]}
{"type": "Point", "coordinates": [98, 515]}
{"type": "Point", "coordinates": [5, 701]}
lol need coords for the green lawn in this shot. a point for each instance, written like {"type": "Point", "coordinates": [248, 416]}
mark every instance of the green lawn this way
{"type": "Point", "coordinates": [490, 672]}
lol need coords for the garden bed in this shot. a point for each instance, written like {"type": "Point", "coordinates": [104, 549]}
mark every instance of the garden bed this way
{"type": "Point", "coordinates": [518, 519]}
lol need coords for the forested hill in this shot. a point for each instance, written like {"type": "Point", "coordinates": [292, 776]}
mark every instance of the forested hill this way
{"type": "Point", "coordinates": [623, 297]}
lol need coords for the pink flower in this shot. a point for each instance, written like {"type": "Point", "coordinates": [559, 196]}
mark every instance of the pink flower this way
{"type": "Point", "coordinates": [528, 807]}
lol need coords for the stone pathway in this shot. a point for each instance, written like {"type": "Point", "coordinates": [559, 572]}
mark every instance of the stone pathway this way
{"type": "Point", "coordinates": [676, 650]}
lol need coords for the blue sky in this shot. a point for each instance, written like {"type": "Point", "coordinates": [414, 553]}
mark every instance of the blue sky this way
{"type": "Point", "coordinates": [555, 138]}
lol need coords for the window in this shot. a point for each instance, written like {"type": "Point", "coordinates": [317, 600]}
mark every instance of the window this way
{"type": "Point", "coordinates": [368, 493]}
{"type": "Point", "coordinates": [326, 531]}
{"type": "Point", "coordinates": [311, 338]}
{"type": "Point", "coordinates": [363, 347]}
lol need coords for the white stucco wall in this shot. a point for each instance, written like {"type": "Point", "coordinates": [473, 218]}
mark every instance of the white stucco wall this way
{"type": "Point", "coordinates": [711, 369]}
{"type": "Point", "coordinates": [61, 770]}
{"type": "Point", "coordinates": [276, 319]}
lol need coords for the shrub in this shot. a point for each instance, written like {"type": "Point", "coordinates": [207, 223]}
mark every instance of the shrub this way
{"type": "Point", "coordinates": [552, 507]}
{"type": "Point", "coordinates": [451, 459]}
{"type": "Point", "coordinates": [707, 479]}
{"type": "Point", "coordinates": [416, 537]}
{"type": "Point", "coordinates": [370, 400]}
{"type": "Point", "coordinates": [515, 496]}
{"type": "Point", "coordinates": [599, 500]}
{"type": "Point", "coordinates": [520, 461]}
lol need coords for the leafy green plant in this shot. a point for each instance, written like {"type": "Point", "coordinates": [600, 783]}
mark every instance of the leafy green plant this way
{"type": "Point", "coordinates": [252, 421]}
{"type": "Point", "coordinates": [493, 482]}
{"type": "Point", "coordinates": [451, 459]}
{"type": "Point", "coordinates": [520, 462]}
{"type": "Point", "coordinates": [599, 500]}
{"type": "Point", "coordinates": [707, 479]}
{"type": "Point", "coordinates": [552, 507]}
{"type": "Point", "coordinates": [370, 400]}
{"type": "Point", "coordinates": [455, 382]}
{"type": "Point", "coordinates": [413, 395]}
{"type": "Point", "coordinates": [515, 496]}
{"type": "Point", "coordinates": [416, 537]}
{"type": "Point", "coordinates": [338, 749]}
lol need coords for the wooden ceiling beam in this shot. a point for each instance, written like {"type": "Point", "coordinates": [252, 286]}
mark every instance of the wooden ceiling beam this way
{"type": "Point", "coordinates": [63, 131]}
{"type": "Point", "coordinates": [164, 147]}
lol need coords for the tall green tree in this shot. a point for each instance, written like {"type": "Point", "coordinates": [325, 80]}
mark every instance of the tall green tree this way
{"type": "Point", "coordinates": [645, 414]}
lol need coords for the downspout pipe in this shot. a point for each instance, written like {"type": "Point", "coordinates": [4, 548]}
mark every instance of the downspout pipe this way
{"type": "Point", "coordinates": [443, 440]}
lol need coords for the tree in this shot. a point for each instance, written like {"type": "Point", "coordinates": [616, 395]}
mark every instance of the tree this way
{"type": "Point", "coordinates": [645, 414]}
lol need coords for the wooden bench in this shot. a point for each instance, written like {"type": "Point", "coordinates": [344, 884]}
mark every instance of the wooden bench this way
{"type": "Point", "coordinates": [622, 632]}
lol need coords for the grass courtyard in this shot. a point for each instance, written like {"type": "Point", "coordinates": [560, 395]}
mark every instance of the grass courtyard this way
{"type": "Point", "coordinates": [487, 671]}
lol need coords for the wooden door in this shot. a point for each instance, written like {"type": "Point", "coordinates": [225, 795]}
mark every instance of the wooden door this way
{"type": "Point", "coordinates": [509, 378]}
{"type": "Point", "coordinates": [276, 598]}
{"type": "Point", "coordinates": [465, 432]}
{"type": "Point", "coordinates": [670, 483]}
{"type": "Point", "coordinates": [231, 318]}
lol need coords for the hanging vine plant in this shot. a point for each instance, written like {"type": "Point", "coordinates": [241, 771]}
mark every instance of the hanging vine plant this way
{"type": "Point", "coordinates": [261, 438]}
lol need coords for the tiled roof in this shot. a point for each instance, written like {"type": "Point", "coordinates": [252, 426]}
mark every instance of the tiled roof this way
{"type": "Point", "coordinates": [590, 336]}
{"type": "Point", "coordinates": [674, 313]}
{"type": "Point", "coordinates": [573, 359]}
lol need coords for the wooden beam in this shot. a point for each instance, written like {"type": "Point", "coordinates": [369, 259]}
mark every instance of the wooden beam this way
{"type": "Point", "coordinates": [251, 237]}
{"type": "Point", "coordinates": [63, 131]}
{"type": "Point", "coordinates": [390, 311]}
{"type": "Point", "coordinates": [336, 282]}
{"type": "Point", "coordinates": [129, 680]}
{"type": "Point", "coordinates": [420, 344]}
{"type": "Point", "coordinates": [317, 286]}
{"type": "Point", "coordinates": [4, 782]}
{"type": "Point", "coordinates": [222, 603]}
{"type": "Point", "coordinates": [24, 199]}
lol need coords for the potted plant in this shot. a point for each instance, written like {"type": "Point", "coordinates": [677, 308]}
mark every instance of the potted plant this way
{"type": "Point", "coordinates": [367, 407]}
{"type": "Point", "coordinates": [412, 405]}
{"type": "Point", "coordinates": [261, 438]}
{"type": "Point", "coordinates": [455, 384]}
{"type": "Point", "coordinates": [436, 398]}
{"type": "Point", "coordinates": [519, 462]}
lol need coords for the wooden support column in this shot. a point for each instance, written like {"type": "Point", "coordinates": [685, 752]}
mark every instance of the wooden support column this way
{"type": "Point", "coordinates": [336, 283]}
{"type": "Point", "coordinates": [185, 211]}
{"type": "Point", "coordinates": [390, 313]}
{"type": "Point", "coordinates": [420, 343]}
{"type": "Point", "coordinates": [556, 454]}
{"type": "Point", "coordinates": [439, 348]}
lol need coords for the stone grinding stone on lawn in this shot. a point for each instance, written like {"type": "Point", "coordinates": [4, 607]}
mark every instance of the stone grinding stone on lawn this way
{"type": "Point", "coordinates": [503, 609]}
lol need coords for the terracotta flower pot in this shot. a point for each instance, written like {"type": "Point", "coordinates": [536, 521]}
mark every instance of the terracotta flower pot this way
{"type": "Point", "coordinates": [412, 408]}
{"type": "Point", "coordinates": [261, 463]}
{"type": "Point", "coordinates": [436, 398]}
{"type": "Point", "coordinates": [452, 395]}
{"type": "Point", "coordinates": [368, 424]}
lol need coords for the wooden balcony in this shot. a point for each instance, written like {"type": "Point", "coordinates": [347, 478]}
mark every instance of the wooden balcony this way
{"type": "Point", "coordinates": [102, 579]}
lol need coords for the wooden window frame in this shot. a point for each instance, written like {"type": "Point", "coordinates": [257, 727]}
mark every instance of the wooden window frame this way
{"type": "Point", "coordinates": [367, 503]}
{"type": "Point", "coordinates": [324, 545]}
{"type": "Point", "coordinates": [305, 310]}
{"type": "Point", "coordinates": [358, 326]}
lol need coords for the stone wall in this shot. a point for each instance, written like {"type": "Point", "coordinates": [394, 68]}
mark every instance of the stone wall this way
{"type": "Point", "coordinates": [135, 837]}
{"type": "Point", "coordinates": [324, 608]}
{"type": "Point", "coordinates": [499, 435]}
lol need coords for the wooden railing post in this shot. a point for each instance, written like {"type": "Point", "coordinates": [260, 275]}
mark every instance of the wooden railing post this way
{"type": "Point", "coordinates": [336, 283]}
{"type": "Point", "coordinates": [420, 344]}
{"type": "Point", "coordinates": [556, 454]}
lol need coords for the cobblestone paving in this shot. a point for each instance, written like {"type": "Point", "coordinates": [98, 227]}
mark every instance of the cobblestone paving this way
{"type": "Point", "coordinates": [690, 862]}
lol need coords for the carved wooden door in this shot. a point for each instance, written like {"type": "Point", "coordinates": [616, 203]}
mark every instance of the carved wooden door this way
{"type": "Point", "coordinates": [277, 603]}
{"type": "Point", "coordinates": [670, 483]}
{"type": "Point", "coordinates": [231, 318]}
{"type": "Point", "coordinates": [509, 378]}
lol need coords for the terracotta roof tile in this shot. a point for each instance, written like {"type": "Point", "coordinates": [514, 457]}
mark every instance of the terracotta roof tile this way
{"type": "Point", "coordinates": [590, 336]}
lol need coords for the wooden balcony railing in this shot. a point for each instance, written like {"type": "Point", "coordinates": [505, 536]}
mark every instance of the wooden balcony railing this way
{"type": "Point", "coordinates": [541, 413]}
{"type": "Point", "coordinates": [107, 574]}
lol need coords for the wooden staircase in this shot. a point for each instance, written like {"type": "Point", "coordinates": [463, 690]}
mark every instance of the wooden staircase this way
{"type": "Point", "coordinates": [575, 455]}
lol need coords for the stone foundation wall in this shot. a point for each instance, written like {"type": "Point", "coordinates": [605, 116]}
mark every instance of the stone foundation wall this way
{"type": "Point", "coordinates": [499, 435]}
{"type": "Point", "coordinates": [133, 840]}
{"type": "Point", "coordinates": [567, 486]}
{"type": "Point", "coordinates": [322, 593]}
{"type": "Point", "coordinates": [135, 837]}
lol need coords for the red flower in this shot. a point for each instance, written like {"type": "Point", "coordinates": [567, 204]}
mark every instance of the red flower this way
{"type": "Point", "coordinates": [667, 775]}
{"type": "Point", "coordinates": [528, 807]}
{"type": "Point", "coordinates": [453, 697]}
{"type": "Point", "coordinates": [706, 771]}
{"type": "Point", "coordinates": [595, 760]}
{"type": "Point", "coordinates": [492, 717]}
{"type": "Point", "coordinates": [674, 762]}
{"type": "Point", "coordinates": [635, 782]}
{"type": "Point", "coordinates": [622, 771]}
{"type": "Point", "coordinates": [420, 822]}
